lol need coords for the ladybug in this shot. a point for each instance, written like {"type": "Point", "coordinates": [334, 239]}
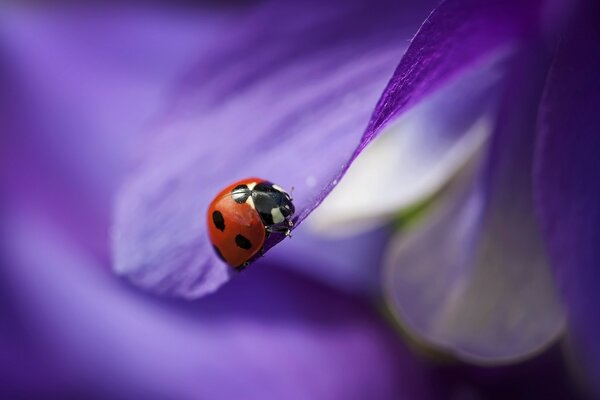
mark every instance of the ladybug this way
{"type": "Point", "coordinates": [243, 215]}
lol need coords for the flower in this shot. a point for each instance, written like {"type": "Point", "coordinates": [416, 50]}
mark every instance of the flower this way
{"type": "Point", "coordinates": [156, 235]}
{"type": "Point", "coordinates": [486, 292]}
{"type": "Point", "coordinates": [157, 243]}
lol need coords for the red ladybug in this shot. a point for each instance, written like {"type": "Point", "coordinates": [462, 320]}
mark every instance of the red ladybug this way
{"type": "Point", "coordinates": [243, 215]}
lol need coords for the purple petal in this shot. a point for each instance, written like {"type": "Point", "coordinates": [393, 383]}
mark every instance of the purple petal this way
{"type": "Point", "coordinates": [278, 110]}
{"type": "Point", "coordinates": [474, 279]}
{"type": "Point", "coordinates": [455, 35]}
{"type": "Point", "coordinates": [416, 155]}
{"type": "Point", "coordinates": [269, 335]}
{"type": "Point", "coordinates": [399, 170]}
{"type": "Point", "coordinates": [568, 181]}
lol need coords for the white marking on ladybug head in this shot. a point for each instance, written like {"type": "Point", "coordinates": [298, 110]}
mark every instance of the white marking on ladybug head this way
{"type": "Point", "coordinates": [250, 202]}
{"type": "Point", "coordinates": [277, 187]}
{"type": "Point", "coordinates": [251, 185]}
{"type": "Point", "coordinates": [277, 215]}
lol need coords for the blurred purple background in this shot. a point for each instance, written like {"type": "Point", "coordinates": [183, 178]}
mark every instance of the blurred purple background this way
{"type": "Point", "coordinates": [455, 260]}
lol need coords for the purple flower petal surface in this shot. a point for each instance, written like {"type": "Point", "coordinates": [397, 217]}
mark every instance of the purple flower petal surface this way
{"type": "Point", "coordinates": [413, 157]}
{"type": "Point", "coordinates": [269, 335]}
{"type": "Point", "coordinates": [474, 279]}
{"type": "Point", "coordinates": [568, 181]}
{"type": "Point", "coordinates": [291, 111]}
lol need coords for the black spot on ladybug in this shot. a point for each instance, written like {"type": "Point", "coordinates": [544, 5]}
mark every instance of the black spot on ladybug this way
{"type": "Point", "coordinates": [240, 194]}
{"type": "Point", "coordinates": [218, 220]}
{"type": "Point", "coordinates": [219, 253]}
{"type": "Point", "coordinates": [243, 242]}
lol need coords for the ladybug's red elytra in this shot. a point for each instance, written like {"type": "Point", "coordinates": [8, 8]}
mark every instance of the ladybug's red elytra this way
{"type": "Point", "coordinates": [242, 216]}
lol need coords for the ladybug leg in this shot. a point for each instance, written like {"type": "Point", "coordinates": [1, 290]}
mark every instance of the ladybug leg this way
{"type": "Point", "coordinates": [285, 230]}
{"type": "Point", "coordinates": [279, 229]}
{"type": "Point", "coordinates": [288, 232]}
{"type": "Point", "coordinates": [242, 267]}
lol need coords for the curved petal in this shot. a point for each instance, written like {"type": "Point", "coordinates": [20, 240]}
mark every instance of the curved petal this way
{"type": "Point", "coordinates": [568, 181]}
{"type": "Point", "coordinates": [278, 111]}
{"type": "Point", "coordinates": [410, 161]}
{"type": "Point", "coordinates": [416, 155]}
{"type": "Point", "coordinates": [474, 279]}
{"type": "Point", "coordinates": [456, 34]}
{"type": "Point", "coordinates": [269, 335]}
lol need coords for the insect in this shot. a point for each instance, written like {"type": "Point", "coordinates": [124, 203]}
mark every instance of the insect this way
{"type": "Point", "coordinates": [243, 215]}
